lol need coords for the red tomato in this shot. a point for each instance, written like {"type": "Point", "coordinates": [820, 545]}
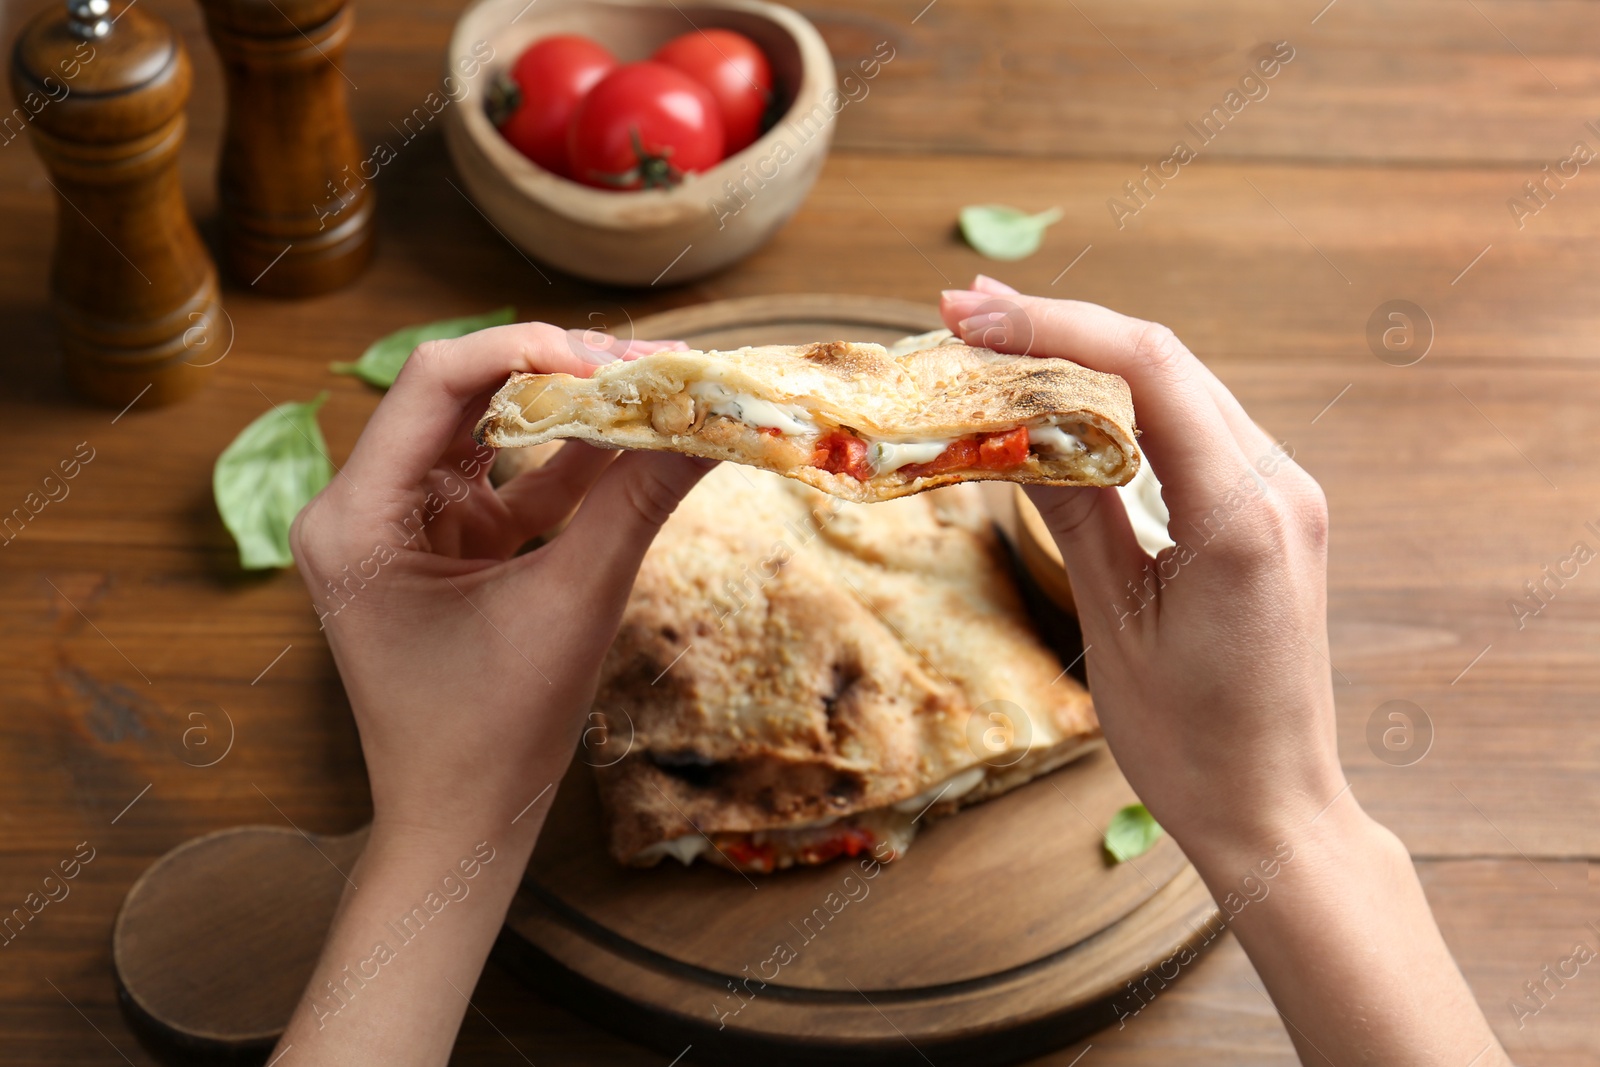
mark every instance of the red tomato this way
{"type": "Point", "coordinates": [734, 69]}
{"type": "Point", "coordinates": [842, 453]}
{"type": "Point", "coordinates": [961, 455]}
{"type": "Point", "coordinates": [551, 77]}
{"type": "Point", "coordinates": [644, 126]}
{"type": "Point", "coordinates": [848, 842]}
{"type": "Point", "coordinates": [1004, 450]}
{"type": "Point", "coordinates": [746, 853]}
{"type": "Point", "coordinates": [997, 451]}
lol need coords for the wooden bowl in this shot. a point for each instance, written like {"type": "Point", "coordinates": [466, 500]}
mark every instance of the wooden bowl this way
{"type": "Point", "coordinates": [647, 236]}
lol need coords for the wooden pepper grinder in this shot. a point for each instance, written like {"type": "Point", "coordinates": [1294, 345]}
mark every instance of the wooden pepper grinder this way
{"type": "Point", "coordinates": [297, 206]}
{"type": "Point", "coordinates": [134, 292]}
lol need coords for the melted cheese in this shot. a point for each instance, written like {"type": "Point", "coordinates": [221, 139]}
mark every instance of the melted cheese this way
{"type": "Point", "coordinates": [887, 456]}
{"type": "Point", "coordinates": [1050, 438]}
{"type": "Point", "coordinates": [884, 457]}
{"type": "Point", "coordinates": [1147, 512]}
{"type": "Point", "coordinates": [720, 400]}
{"type": "Point", "coordinates": [957, 786]}
{"type": "Point", "coordinates": [684, 849]}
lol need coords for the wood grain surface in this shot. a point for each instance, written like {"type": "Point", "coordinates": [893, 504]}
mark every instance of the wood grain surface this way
{"type": "Point", "coordinates": [1042, 961]}
{"type": "Point", "coordinates": [255, 893]}
{"type": "Point", "coordinates": [1378, 169]}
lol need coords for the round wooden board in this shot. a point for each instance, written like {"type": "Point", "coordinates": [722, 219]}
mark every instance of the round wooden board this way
{"type": "Point", "coordinates": [1002, 933]}
{"type": "Point", "coordinates": [217, 939]}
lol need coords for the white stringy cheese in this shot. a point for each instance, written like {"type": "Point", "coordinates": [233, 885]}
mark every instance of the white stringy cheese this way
{"type": "Point", "coordinates": [683, 849]}
{"type": "Point", "coordinates": [958, 786]}
{"type": "Point", "coordinates": [887, 456]}
{"type": "Point", "coordinates": [720, 400]}
{"type": "Point", "coordinates": [1055, 440]}
{"type": "Point", "coordinates": [1146, 510]}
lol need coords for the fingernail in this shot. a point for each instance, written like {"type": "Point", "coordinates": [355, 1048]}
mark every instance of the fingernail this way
{"type": "Point", "coordinates": [960, 302]}
{"type": "Point", "coordinates": [637, 348]}
{"type": "Point", "coordinates": [992, 285]}
{"type": "Point", "coordinates": [595, 347]}
{"type": "Point", "coordinates": [987, 330]}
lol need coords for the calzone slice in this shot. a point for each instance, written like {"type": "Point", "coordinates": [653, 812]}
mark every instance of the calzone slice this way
{"type": "Point", "coordinates": [797, 678]}
{"type": "Point", "coordinates": [860, 421]}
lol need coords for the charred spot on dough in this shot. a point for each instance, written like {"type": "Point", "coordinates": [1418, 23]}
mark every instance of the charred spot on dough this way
{"type": "Point", "coordinates": [846, 788]}
{"type": "Point", "coordinates": [670, 634]}
{"type": "Point", "coordinates": [826, 352]}
{"type": "Point", "coordinates": [688, 766]}
{"type": "Point", "coordinates": [1031, 401]}
{"type": "Point", "coordinates": [841, 356]}
{"type": "Point", "coordinates": [846, 673]}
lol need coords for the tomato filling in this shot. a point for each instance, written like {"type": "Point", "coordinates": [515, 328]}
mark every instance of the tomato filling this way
{"type": "Point", "coordinates": [747, 853]}
{"type": "Point", "coordinates": [997, 451]}
{"type": "Point", "coordinates": [842, 453]}
{"type": "Point", "coordinates": [848, 842]}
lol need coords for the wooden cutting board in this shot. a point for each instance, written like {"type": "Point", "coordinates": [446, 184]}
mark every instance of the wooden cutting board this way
{"type": "Point", "coordinates": [1002, 933]}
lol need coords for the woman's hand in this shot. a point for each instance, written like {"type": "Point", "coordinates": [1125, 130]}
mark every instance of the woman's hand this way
{"type": "Point", "coordinates": [468, 668]}
{"type": "Point", "coordinates": [1210, 672]}
{"type": "Point", "coordinates": [1209, 664]}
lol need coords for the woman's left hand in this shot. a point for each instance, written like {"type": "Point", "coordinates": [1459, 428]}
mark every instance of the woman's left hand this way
{"type": "Point", "coordinates": [469, 668]}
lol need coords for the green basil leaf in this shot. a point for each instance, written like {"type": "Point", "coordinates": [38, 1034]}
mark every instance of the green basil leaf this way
{"type": "Point", "coordinates": [262, 480]}
{"type": "Point", "coordinates": [1131, 833]}
{"type": "Point", "coordinates": [1001, 232]}
{"type": "Point", "coordinates": [380, 364]}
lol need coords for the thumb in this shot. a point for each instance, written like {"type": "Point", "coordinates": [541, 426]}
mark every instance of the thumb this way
{"type": "Point", "coordinates": [620, 516]}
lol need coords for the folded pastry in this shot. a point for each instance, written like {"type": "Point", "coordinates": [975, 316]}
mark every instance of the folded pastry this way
{"type": "Point", "coordinates": [802, 678]}
{"type": "Point", "coordinates": [860, 421]}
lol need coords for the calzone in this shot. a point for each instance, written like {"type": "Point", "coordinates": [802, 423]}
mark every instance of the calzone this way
{"type": "Point", "coordinates": [859, 421]}
{"type": "Point", "coordinates": [797, 678]}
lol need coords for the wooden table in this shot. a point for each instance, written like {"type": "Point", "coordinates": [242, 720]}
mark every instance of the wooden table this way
{"type": "Point", "coordinates": [1377, 168]}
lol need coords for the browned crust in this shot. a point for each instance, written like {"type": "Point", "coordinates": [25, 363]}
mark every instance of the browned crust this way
{"type": "Point", "coordinates": [787, 658]}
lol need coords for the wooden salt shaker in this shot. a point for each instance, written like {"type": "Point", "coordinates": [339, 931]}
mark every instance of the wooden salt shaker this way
{"type": "Point", "coordinates": [134, 292]}
{"type": "Point", "coordinates": [297, 208]}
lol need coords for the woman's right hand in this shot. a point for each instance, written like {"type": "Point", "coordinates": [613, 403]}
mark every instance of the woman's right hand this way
{"type": "Point", "coordinates": [1210, 672]}
{"type": "Point", "coordinates": [1209, 663]}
